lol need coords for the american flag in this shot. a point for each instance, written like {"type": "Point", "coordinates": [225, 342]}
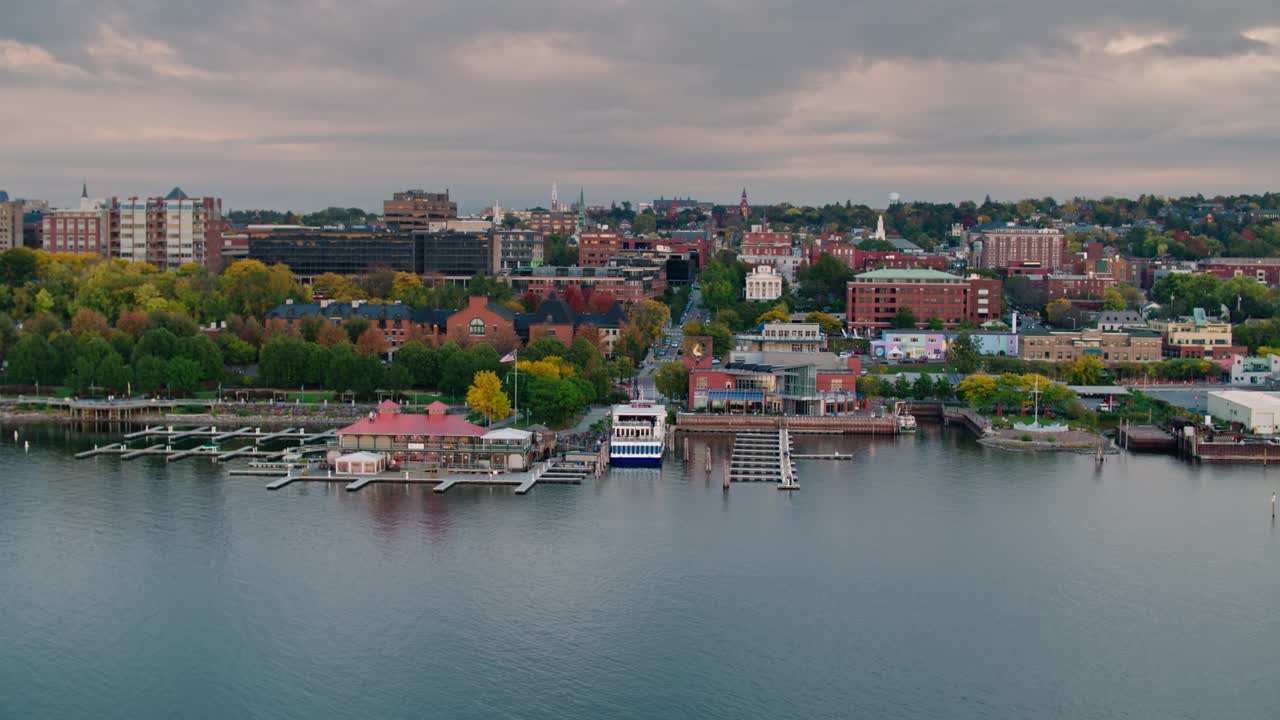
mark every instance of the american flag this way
{"type": "Point", "coordinates": [509, 357]}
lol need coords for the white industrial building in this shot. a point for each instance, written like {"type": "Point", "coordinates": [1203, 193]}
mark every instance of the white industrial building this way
{"type": "Point", "coordinates": [1255, 412]}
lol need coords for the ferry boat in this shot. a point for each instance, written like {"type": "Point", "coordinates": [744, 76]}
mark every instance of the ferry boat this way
{"type": "Point", "coordinates": [639, 435]}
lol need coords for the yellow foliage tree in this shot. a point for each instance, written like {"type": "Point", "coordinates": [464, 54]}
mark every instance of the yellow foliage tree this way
{"type": "Point", "coordinates": [550, 367]}
{"type": "Point", "coordinates": [486, 396]}
{"type": "Point", "coordinates": [777, 313]}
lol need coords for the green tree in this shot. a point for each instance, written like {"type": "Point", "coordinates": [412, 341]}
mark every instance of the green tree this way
{"type": "Point", "coordinates": [283, 361]}
{"type": "Point", "coordinates": [646, 222]}
{"type": "Point", "coordinates": [149, 375]}
{"type": "Point", "coordinates": [904, 319]}
{"type": "Point", "coordinates": [202, 350]}
{"type": "Point", "coordinates": [962, 353]}
{"type": "Point", "coordinates": [157, 342]}
{"type": "Point", "coordinates": [31, 360]}
{"type": "Point", "coordinates": [1113, 300]}
{"type": "Point", "coordinates": [934, 323]}
{"type": "Point", "coordinates": [182, 375]}
{"type": "Point", "coordinates": [421, 362]}
{"type": "Point", "coordinates": [356, 325]}
{"type": "Point", "coordinates": [922, 388]}
{"type": "Point", "coordinates": [456, 372]}
{"type": "Point", "coordinates": [672, 380]}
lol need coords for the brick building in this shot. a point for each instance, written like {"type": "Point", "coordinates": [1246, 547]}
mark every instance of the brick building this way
{"type": "Point", "coordinates": [482, 320]}
{"type": "Point", "coordinates": [563, 224]}
{"type": "Point", "coordinates": [1264, 270]}
{"type": "Point", "coordinates": [874, 298]}
{"type": "Point", "coordinates": [1077, 287]}
{"type": "Point", "coordinates": [766, 244]}
{"type": "Point", "coordinates": [626, 284]}
{"type": "Point", "coordinates": [866, 260]}
{"type": "Point", "coordinates": [93, 228]}
{"type": "Point", "coordinates": [1000, 248]}
{"type": "Point", "coordinates": [1109, 347]}
{"type": "Point", "coordinates": [596, 247]}
{"type": "Point", "coordinates": [806, 384]}
{"type": "Point", "coordinates": [416, 210]}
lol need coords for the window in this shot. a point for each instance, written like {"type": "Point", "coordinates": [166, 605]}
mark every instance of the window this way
{"type": "Point", "coordinates": [477, 327]}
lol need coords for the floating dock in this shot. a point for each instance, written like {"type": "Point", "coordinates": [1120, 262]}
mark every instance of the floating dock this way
{"type": "Point", "coordinates": [550, 472]}
{"type": "Point", "coordinates": [763, 456]}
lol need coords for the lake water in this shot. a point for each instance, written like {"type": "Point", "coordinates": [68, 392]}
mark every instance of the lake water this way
{"type": "Point", "coordinates": [928, 578]}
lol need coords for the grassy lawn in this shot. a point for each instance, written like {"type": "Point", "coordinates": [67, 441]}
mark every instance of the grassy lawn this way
{"type": "Point", "coordinates": [915, 368]}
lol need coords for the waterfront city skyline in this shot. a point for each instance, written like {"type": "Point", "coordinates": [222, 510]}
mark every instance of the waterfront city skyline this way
{"type": "Point", "coordinates": [291, 105]}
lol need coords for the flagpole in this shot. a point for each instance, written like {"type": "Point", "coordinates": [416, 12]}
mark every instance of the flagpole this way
{"type": "Point", "coordinates": [515, 367]}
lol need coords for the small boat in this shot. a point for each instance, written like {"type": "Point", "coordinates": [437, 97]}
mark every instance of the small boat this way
{"type": "Point", "coordinates": [906, 421]}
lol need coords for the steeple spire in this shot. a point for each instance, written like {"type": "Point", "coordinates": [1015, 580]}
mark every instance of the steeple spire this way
{"type": "Point", "coordinates": [84, 189]}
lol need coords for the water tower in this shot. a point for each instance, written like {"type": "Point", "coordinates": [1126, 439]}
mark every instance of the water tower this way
{"type": "Point", "coordinates": [895, 198]}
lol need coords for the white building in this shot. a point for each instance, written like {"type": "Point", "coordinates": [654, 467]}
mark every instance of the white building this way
{"type": "Point", "coordinates": [764, 283]}
{"type": "Point", "coordinates": [171, 231]}
{"type": "Point", "coordinates": [1254, 370]}
{"type": "Point", "coordinates": [1255, 412]}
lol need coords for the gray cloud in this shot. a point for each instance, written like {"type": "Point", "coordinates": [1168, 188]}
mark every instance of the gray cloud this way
{"type": "Point", "coordinates": [303, 103]}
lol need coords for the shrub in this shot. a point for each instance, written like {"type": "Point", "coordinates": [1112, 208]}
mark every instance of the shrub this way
{"type": "Point", "coordinates": [1025, 437]}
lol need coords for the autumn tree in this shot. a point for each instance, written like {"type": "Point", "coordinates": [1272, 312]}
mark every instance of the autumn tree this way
{"type": "Point", "coordinates": [372, 342]}
{"type": "Point", "coordinates": [329, 334]}
{"type": "Point", "coordinates": [648, 317]}
{"type": "Point", "coordinates": [89, 322]}
{"type": "Point", "coordinates": [829, 324]}
{"type": "Point", "coordinates": [1086, 370]}
{"type": "Point", "coordinates": [486, 396]}
{"type": "Point", "coordinates": [776, 314]}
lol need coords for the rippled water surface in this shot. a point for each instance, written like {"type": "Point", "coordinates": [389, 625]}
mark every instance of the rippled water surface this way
{"type": "Point", "coordinates": [928, 578]}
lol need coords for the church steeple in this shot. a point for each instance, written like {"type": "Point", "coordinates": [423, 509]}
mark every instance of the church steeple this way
{"type": "Point", "coordinates": [84, 190]}
{"type": "Point", "coordinates": [743, 207]}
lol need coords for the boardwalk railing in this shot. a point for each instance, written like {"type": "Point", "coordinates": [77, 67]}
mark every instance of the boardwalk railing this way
{"type": "Point", "coordinates": [828, 425]}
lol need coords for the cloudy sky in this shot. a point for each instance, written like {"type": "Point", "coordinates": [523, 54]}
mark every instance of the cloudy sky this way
{"type": "Point", "coordinates": [301, 104]}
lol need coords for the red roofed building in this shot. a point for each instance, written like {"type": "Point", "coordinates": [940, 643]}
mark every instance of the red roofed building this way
{"type": "Point", "coordinates": [437, 440]}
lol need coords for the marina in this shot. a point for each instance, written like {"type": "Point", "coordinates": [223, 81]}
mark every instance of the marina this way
{"type": "Point", "coordinates": [893, 511]}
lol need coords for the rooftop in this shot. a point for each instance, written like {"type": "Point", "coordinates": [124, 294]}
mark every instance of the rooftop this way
{"type": "Point", "coordinates": [907, 274]}
{"type": "Point", "coordinates": [1249, 398]}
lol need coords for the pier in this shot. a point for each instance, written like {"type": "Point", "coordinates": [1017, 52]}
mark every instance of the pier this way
{"type": "Point", "coordinates": [809, 425]}
{"type": "Point", "coordinates": [1147, 438]}
{"type": "Point", "coordinates": [552, 472]}
{"type": "Point", "coordinates": [763, 456]}
{"type": "Point", "coordinates": [253, 438]}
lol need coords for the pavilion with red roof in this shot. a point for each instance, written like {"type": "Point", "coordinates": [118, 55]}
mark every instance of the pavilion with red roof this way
{"type": "Point", "coordinates": [434, 439]}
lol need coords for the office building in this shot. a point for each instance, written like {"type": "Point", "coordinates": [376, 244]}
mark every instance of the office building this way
{"type": "Point", "coordinates": [415, 210]}
{"type": "Point", "coordinates": [874, 299]}
{"type": "Point", "coordinates": [310, 252]}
